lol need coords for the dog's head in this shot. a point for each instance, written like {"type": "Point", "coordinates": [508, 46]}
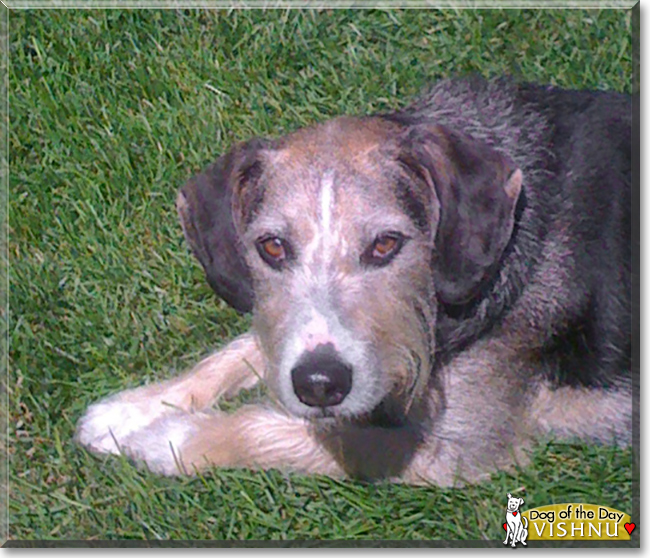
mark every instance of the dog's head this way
{"type": "Point", "coordinates": [343, 237]}
{"type": "Point", "coordinates": [514, 503]}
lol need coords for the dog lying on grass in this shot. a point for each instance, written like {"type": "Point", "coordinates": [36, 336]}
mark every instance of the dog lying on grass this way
{"type": "Point", "coordinates": [431, 290]}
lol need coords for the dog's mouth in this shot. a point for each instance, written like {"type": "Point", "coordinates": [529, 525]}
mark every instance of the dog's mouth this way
{"type": "Point", "coordinates": [381, 415]}
{"type": "Point", "coordinates": [323, 414]}
{"type": "Point", "coordinates": [338, 415]}
{"type": "Point", "coordinates": [328, 415]}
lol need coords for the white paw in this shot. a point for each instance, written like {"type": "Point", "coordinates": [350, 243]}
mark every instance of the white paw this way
{"type": "Point", "coordinates": [106, 425]}
{"type": "Point", "coordinates": [160, 445]}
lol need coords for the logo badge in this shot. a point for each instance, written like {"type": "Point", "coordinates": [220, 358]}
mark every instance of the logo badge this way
{"type": "Point", "coordinates": [565, 522]}
{"type": "Point", "coordinates": [516, 524]}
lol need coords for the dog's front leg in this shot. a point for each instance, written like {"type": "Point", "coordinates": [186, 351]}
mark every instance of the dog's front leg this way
{"type": "Point", "coordinates": [107, 424]}
{"type": "Point", "coordinates": [253, 437]}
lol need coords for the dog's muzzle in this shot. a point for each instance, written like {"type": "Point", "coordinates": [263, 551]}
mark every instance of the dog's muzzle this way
{"type": "Point", "coordinates": [320, 378]}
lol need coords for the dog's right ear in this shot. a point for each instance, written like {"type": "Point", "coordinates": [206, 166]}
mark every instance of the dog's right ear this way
{"type": "Point", "coordinates": [476, 189]}
{"type": "Point", "coordinates": [206, 209]}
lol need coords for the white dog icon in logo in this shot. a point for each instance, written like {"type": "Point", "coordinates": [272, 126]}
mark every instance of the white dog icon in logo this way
{"type": "Point", "coordinates": [515, 527]}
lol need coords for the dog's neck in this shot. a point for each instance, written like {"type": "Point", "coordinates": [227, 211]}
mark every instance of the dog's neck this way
{"type": "Point", "coordinates": [512, 511]}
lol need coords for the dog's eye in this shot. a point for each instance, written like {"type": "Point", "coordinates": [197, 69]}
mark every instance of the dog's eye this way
{"type": "Point", "coordinates": [384, 248]}
{"type": "Point", "coordinates": [273, 250]}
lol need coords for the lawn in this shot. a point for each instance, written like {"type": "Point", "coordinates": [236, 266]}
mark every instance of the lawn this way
{"type": "Point", "coordinates": [110, 112]}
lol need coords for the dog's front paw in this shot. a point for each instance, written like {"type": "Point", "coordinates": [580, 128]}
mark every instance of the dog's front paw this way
{"type": "Point", "coordinates": [106, 425]}
{"type": "Point", "coordinates": [160, 445]}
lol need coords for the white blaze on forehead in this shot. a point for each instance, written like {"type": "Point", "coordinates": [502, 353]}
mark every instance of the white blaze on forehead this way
{"type": "Point", "coordinates": [326, 201]}
{"type": "Point", "coordinates": [323, 235]}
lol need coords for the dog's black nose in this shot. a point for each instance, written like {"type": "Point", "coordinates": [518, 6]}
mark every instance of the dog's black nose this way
{"type": "Point", "coordinates": [321, 378]}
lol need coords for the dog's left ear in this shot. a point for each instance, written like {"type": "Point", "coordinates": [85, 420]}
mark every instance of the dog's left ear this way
{"type": "Point", "coordinates": [521, 501]}
{"type": "Point", "coordinates": [206, 207]}
{"type": "Point", "coordinates": [476, 188]}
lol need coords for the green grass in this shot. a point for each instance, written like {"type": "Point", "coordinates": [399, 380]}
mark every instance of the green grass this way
{"type": "Point", "coordinates": [111, 111]}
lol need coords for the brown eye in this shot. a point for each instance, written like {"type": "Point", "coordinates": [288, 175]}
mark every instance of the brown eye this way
{"type": "Point", "coordinates": [273, 250]}
{"type": "Point", "coordinates": [384, 248]}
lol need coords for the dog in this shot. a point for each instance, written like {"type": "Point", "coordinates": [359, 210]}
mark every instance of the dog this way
{"type": "Point", "coordinates": [516, 530]}
{"type": "Point", "coordinates": [432, 290]}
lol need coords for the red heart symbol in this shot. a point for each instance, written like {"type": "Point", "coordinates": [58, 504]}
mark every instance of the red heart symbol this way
{"type": "Point", "coordinates": [505, 526]}
{"type": "Point", "coordinates": [514, 513]}
{"type": "Point", "coordinates": [629, 527]}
